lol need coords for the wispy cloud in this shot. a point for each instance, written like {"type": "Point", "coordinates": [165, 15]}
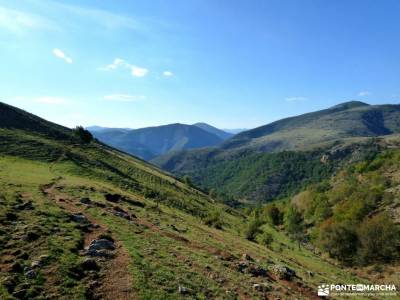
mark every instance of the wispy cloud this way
{"type": "Point", "coordinates": [364, 93]}
{"type": "Point", "coordinates": [120, 63]}
{"type": "Point", "coordinates": [103, 18]}
{"type": "Point", "coordinates": [18, 21]}
{"type": "Point", "coordinates": [60, 54]}
{"type": "Point", "coordinates": [124, 97]}
{"type": "Point", "coordinates": [50, 100]}
{"type": "Point", "coordinates": [296, 98]}
{"type": "Point", "coordinates": [168, 73]}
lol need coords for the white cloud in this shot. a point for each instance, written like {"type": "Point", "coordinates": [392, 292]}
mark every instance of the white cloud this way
{"type": "Point", "coordinates": [295, 99]}
{"type": "Point", "coordinates": [138, 72]}
{"type": "Point", "coordinates": [118, 62]}
{"type": "Point", "coordinates": [50, 100]}
{"type": "Point", "coordinates": [168, 73]}
{"type": "Point", "coordinates": [124, 97]}
{"type": "Point", "coordinates": [364, 93]}
{"type": "Point", "coordinates": [60, 54]}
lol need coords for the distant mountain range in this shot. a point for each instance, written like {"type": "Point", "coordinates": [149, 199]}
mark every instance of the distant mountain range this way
{"type": "Point", "coordinates": [251, 164]}
{"type": "Point", "coordinates": [148, 143]}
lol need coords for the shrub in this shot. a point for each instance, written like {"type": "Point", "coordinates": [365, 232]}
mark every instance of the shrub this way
{"type": "Point", "coordinates": [266, 239]}
{"type": "Point", "coordinates": [214, 219]}
{"type": "Point", "coordinates": [253, 226]}
{"type": "Point", "coordinates": [82, 134]}
{"type": "Point", "coordinates": [187, 180]}
{"type": "Point", "coordinates": [338, 239]}
{"type": "Point", "coordinates": [273, 215]}
{"type": "Point", "coordinates": [293, 221]}
{"type": "Point", "coordinates": [379, 239]}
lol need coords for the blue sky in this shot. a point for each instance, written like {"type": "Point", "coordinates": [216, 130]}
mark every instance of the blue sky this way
{"type": "Point", "coordinates": [229, 63]}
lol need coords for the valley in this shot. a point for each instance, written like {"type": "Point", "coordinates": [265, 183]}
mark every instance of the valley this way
{"type": "Point", "coordinates": [81, 220]}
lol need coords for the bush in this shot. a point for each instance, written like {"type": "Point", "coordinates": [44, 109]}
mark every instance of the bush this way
{"type": "Point", "coordinates": [82, 134]}
{"type": "Point", "coordinates": [338, 239]}
{"type": "Point", "coordinates": [293, 221]}
{"type": "Point", "coordinates": [214, 219]}
{"type": "Point", "coordinates": [379, 239]}
{"type": "Point", "coordinates": [187, 180]}
{"type": "Point", "coordinates": [266, 239]}
{"type": "Point", "coordinates": [253, 226]}
{"type": "Point", "coordinates": [273, 215]}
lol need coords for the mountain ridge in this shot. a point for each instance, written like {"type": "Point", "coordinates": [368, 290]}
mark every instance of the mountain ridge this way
{"type": "Point", "coordinates": [153, 141]}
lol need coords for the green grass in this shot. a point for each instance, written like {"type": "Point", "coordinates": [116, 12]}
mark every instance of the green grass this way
{"type": "Point", "coordinates": [161, 257]}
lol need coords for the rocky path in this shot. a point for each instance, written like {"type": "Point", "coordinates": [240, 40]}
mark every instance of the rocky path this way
{"type": "Point", "coordinates": [106, 260]}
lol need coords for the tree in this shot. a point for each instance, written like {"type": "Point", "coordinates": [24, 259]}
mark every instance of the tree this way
{"type": "Point", "coordinates": [273, 215]}
{"type": "Point", "coordinates": [82, 134]}
{"type": "Point", "coordinates": [379, 239]}
{"type": "Point", "coordinates": [253, 226]}
{"type": "Point", "coordinates": [293, 221]}
{"type": "Point", "coordinates": [338, 239]}
{"type": "Point", "coordinates": [187, 180]}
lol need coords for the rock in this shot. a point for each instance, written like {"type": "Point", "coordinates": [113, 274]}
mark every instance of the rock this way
{"type": "Point", "coordinates": [113, 197]}
{"type": "Point", "coordinates": [20, 294]}
{"type": "Point", "coordinates": [261, 287]}
{"type": "Point", "coordinates": [101, 244]}
{"type": "Point", "coordinates": [89, 264]}
{"type": "Point", "coordinates": [79, 218]}
{"type": "Point", "coordinates": [135, 203]}
{"type": "Point", "coordinates": [257, 271]}
{"type": "Point", "coordinates": [36, 264]}
{"type": "Point", "coordinates": [122, 215]}
{"type": "Point", "coordinates": [43, 258]}
{"type": "Point", "coordinates": [283, 272]}
{"type": "Point", "coordinates": [30, 274]}
{"type": "Point", "coordinates": [100, 253]}
{"type": "Point", "coordinates": [24, 206]}
{"type": "Point", "coordinates": [250, 268]}
{"type": "Point", "coordinates": [245, 256]}
{"type": "Point", "coordinates": [85, 201]}
{"type": "Point", "coordinates": [119, 212]}
{"type": "Point", "coordinates": [182, 289]}
{"type": "Point", "coordinates": [99, 204]}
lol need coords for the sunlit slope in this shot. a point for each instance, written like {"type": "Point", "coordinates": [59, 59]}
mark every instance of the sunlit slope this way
{"type": "Point", "coordinates": [83, 221]}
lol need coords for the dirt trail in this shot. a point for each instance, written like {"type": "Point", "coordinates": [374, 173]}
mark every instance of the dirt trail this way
{"type": "Point", "coordinates": [115, 281]}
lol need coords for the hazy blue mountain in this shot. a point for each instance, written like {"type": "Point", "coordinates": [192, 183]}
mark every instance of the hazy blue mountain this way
{"type": "Point", "coordinates": [234, 130]}
{"type": "Point", "coordinates": [150, 142]}
{"type": "Point", "coordinates": [211, 129]}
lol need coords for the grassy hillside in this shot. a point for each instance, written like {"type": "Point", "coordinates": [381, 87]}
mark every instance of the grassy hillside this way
{"type": "Point", "coordinates": [83, 221]}
{"type": "Point", "coordinates": [150, 142]}
{"type": "Point", "coordinates": [350, 119]}
{"type": "Point", "coordinates": [353, 216]}
{"type": "Point", "coordinates": [280, 158]}
{"type": "Point", "coordinates": [252, 176]}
